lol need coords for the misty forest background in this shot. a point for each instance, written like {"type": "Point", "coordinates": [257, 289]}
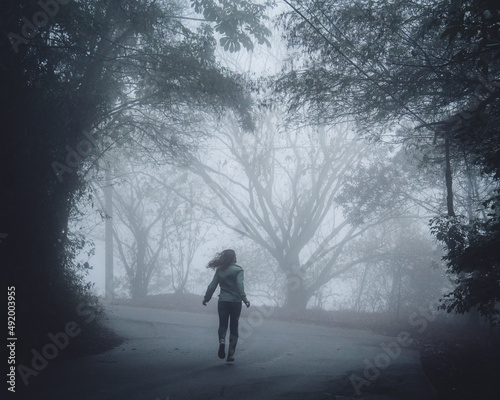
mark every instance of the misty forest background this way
{"type": "Point", "coordinates": [348, 150]}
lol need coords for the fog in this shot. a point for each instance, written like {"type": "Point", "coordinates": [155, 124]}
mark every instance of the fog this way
{"type": "Point", "coordinates": [264, 196]}
{"type": "Point", "coordinates": [325, 174]}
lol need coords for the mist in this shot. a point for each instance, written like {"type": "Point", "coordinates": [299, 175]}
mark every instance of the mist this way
{"type": "Point", "coordinates": [250, 199]}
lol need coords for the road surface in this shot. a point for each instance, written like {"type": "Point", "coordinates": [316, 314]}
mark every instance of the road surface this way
{"type": "Point", "coordinates": [171, 355]}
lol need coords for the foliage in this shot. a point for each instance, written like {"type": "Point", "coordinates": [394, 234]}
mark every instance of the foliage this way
{"type": "Point", "coordinates": [383, 61]}
{"type": "Point", "coordinates": [236, 21]}
{"type": "Point", "coordinates": [89, 65]}
{"type": "Point", "coordinates": [381, 180]}
{"type": "Point", "coordinates": [473, 255]}
{"type": "Point", "coordinates": [428, 70]}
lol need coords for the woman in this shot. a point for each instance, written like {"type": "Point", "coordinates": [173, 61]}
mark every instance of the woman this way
{"type": "Point", "coordinates": [229, 277]}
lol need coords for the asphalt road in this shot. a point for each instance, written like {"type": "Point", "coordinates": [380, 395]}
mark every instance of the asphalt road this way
{"type": "Point", "coordinates": [170, 355]}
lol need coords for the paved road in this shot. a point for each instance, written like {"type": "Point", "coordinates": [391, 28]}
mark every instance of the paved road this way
{"type": "Point", "coordinates": [171, 355]}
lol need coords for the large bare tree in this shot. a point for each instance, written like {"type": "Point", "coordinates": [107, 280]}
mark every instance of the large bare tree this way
{"type": "Point", "coordinates": [280, 188]}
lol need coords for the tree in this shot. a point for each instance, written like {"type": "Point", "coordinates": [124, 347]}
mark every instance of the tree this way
{"type": "Point", "coordinates": [388, 64]}
{"type": "Point", "coordinates": [188, 234]}
{"type": "Point", "coordinates": [429, 69]}
{"type": "Point", "coordinates": [80, 66]}
{"type": "Point", "coordinates": [147, 215]}
{"type": "Point", "coordinates": [283, 191]}
{"type": "Point", "coordinates": [156, 227]}
{"type": "Point", "coordinates": [409, 276]}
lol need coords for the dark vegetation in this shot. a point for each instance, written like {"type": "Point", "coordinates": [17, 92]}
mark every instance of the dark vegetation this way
{"type": "Point", "coordinates": [66, 80]}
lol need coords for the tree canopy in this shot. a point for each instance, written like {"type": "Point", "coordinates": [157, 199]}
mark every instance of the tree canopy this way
{"type": "Point", "coordinates": [423, 73]}
{"type": "Point", "coordinates": [76, 73]}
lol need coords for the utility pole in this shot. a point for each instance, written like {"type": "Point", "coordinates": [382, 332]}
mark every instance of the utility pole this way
{"type": "Point", "coordinates": [448, 177]}
{"type": "Point", "coordinates": [108, 205]}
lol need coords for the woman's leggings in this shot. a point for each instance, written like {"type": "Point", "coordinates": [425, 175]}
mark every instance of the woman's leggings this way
{"type": "Point", "coordinates": [229, 310]}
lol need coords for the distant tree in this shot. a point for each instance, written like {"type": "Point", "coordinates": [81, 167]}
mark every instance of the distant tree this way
{"type": "Point", "coordinates": [410, 275]}
{"type": "Point", "coordinates": [147, 216]}
{"type": "Point", "coordinates": [156, 228]}
{"type": "Point", "coordinates": [188, 234]}
{"type": "Point", "coordinates": [283, 190]}
{"type": "Point", "coordinates": [416, 272]}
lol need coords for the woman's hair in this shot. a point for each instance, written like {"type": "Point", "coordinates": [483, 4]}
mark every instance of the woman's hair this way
{"type": "Point", "coordinates": [223, 259]}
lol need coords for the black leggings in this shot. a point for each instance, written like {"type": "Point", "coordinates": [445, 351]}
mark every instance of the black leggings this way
{"type": "Point", "coordinates": [229, 309]}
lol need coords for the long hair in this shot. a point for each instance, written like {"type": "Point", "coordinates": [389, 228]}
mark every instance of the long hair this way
{"type": "Point", "coordinates": [223, 259]}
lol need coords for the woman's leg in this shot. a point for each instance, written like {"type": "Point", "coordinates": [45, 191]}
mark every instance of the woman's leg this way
{"type": "Point", "coordinates": [235, 312]}
{"type": "Point", "coordinates": [224, 311]}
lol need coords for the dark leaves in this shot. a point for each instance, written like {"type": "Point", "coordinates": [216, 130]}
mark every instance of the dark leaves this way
{"type": "Point", "coordinates": [237, 21]}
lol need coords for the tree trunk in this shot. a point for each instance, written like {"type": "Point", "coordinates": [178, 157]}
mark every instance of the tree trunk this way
{"type": "Point", "coordinates": [297, 295]}
{"type": "Point", "coordinates": [449, 179]}
{"type": "Point", "coordinates": [297, 301]}
{"type": "Point", "coordinates": [394, 302]}
{"type": "Point", "coordinates": [357, 306]}
{"type": "Point", "coordinates": [139, 283]}
{"type": "Point", "coordinates": [138, 289]}
{"type": "Point", "coordinates": [108, 276]}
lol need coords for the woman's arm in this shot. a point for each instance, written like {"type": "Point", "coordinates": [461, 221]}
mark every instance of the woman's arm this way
{"type": "Point", "coordinates": [211, 289]}
{"type": "Point", "coordinates": [240, 286]}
